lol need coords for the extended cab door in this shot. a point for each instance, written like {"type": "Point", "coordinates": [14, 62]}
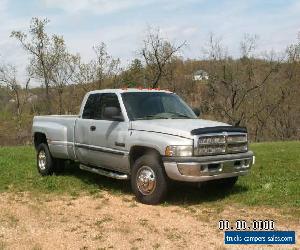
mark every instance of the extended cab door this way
{"type": "Point", "coordinates": [106, 137]}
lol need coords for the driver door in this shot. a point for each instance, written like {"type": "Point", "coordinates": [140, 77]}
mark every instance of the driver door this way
{"type": "Point", "coordinates": [107, 137]}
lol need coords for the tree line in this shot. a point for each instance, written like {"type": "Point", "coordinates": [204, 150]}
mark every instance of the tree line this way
{"type": "Point", "coordinates": [260, 91]}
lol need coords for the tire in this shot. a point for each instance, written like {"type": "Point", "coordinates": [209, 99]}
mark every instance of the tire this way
{"type": "Point", "coordinates": [150, 167]}
{"type": "Point", "coordinates": [45, 162]}
{"type": "Point", "coordinates": [226, 183]}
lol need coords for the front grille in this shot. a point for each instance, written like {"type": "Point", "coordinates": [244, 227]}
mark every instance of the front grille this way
{"type": "Point", "coordinates": [221, 143]}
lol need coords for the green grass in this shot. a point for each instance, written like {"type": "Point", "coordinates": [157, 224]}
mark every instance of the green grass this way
{"type": "Point", "coordinates": [18, 172]}
{"type": "Point", "coordinates": [274, 180]}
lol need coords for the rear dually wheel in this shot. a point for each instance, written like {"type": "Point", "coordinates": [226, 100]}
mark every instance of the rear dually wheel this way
{"type": "Point", "coordinates": [45, 162]}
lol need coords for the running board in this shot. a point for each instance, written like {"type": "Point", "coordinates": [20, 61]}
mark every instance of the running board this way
{"type": "Point", "coordinates": [106, 173]}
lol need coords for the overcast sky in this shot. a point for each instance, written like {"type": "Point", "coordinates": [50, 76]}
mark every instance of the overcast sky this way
{"type": "Point", "coordinates": [122, 24]}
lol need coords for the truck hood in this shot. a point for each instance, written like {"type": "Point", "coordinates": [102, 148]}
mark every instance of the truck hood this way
{"type": "Point", "coordinates": [177, 127]}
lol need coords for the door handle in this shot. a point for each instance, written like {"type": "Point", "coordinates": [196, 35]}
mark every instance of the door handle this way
{"type": "Point", "coordinates": [92, 128]}
{"type": "Point", "coordinates": [119, 144]}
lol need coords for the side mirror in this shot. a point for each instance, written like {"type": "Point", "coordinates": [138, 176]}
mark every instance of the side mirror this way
{"type": "Point", "coordinates": [113, 114]}
{"type": "Point", "coordinates": [196, 111]}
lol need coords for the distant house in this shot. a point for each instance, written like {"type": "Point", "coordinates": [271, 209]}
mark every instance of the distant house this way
{"type": "Point", "coordinates": [200, 75]}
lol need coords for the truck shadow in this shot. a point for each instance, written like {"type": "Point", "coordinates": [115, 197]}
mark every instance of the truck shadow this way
{"type": "Point", "coordinates": [102, 182]}
{"type": "Point", "coordinates": [179, 193]}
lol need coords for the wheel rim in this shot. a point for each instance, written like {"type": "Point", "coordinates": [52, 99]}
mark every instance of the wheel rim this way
{"type": "Point", "coordinates": [146, 180]}
{"type": "Point", "coordinates": [42, 160]}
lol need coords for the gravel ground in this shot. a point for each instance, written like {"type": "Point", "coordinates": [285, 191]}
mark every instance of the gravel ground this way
{"type": "Point", "coordinates": [107, 221]}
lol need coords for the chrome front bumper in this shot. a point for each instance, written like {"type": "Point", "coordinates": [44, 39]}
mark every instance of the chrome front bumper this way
{"type": "Point", "coordinates": [198, 169]}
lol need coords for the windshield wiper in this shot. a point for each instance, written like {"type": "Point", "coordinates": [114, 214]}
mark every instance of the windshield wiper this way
{"type": "Point", "coordinates": [149, 117]}
{"type": "Point", "coordinates": [160, 116]}
{"type": "Point", "coordinates": [180, 115]}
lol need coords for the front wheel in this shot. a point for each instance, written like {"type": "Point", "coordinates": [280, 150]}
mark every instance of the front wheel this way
{"type": "Point", "coordinates": [148, 180]}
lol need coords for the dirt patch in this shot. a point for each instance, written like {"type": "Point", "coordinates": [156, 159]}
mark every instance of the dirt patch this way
{"type": "Point", "coordinates": [105, 221]}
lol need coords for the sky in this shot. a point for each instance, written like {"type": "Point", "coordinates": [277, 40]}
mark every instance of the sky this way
{"type": "Point", "coordinates": [122, 24]}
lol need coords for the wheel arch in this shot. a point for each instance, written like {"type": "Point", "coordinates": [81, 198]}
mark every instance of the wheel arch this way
{"type": "Point", "coordinates": [39, 138]}
{"type": "Point", "coordinates": [137, 151]}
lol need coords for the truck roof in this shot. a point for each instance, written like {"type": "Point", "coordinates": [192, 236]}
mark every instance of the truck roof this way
{"type": "Point", "coordinates": [125, 90]}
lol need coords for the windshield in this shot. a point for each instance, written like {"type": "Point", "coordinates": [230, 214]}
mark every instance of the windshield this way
{"type": "Point", "coordinates": [156, 105]}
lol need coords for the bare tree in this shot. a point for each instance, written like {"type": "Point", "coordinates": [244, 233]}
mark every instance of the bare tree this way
{"type": "Point", "coordinates": [105, 65]}
{"type": "Point", "coordinates": [286, 118]}
{"type": "Point", "coordinates": [293, 51]}
{"type": "Point", "coordinates": [233, 82]}
{"type": "Point", "coordinates": [157, 53]}
{"type": "Point", "coordinates": [101, 63]}
{"type": "Point", "coordinates": [8, 78]}
{"type": "Point", "coordinates": [114, 72]}
{"type": "Point", "coordinates": [97, 70]}
{"type": "Point", "coordinates": [214, 49]}
{"type": "Point", "coordinates": [248, 45]}
{"type": "Point", "coordinates": [62, 75]}
{"type": "Point", "coordinates": [44, 52]}
{"type": "Point", "coordinates": [84, 74]}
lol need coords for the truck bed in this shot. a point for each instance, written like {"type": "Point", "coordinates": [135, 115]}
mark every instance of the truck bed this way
{"type": "Point", "coordinates": [60, 133]}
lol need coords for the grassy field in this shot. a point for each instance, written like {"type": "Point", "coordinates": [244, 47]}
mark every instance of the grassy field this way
{"type": "Point", "coordinates": [274, 181]}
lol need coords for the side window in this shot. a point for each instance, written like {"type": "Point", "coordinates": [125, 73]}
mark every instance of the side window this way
{"type": "Point", "coordinates": [96, 103]}
{"type": "Point", "coordinates": [108, 100]}
{"type": "Point", "coordinates": [91, 107]}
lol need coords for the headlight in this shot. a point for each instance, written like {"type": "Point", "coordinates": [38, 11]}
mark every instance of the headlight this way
{"type": "Point", "coordinates": [238, 148]}
{"type": "Point", "coordinates": [179, 151]}
{"type": "Point", "coordinates": [237, 138]}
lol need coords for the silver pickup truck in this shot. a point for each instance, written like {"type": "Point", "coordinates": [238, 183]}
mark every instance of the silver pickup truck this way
{"type": "Point", "coordinates": [148, 136]}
